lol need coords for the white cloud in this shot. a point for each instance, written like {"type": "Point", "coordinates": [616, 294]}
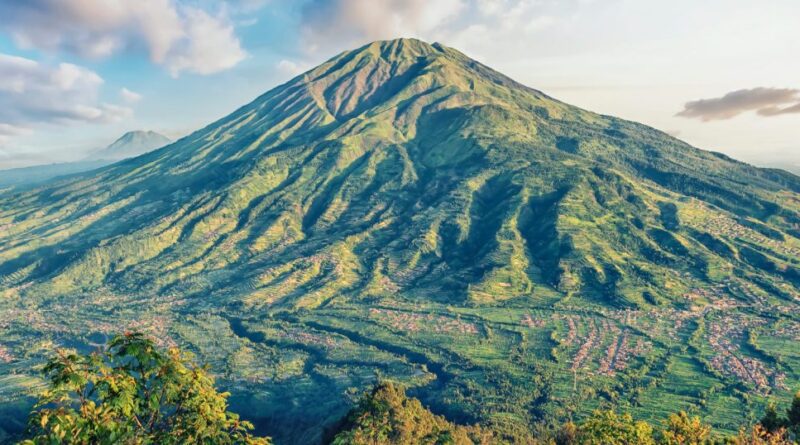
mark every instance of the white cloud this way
{"type": "Point", "coordinates": [210, 46]}
{"type": "Point", "coordinates": [498, 30]}
{"type": "Point", "coordinates": [506, 28]}
{"type": "Point", "coordinates": [183, 38]}
{"type": "Point", "coordinates": [129, 96]}
{"type": "Point", "coordinates": [246, 6]}
{"type": "Point", "coordinates": [7, 131]}
{"type": "Point", "coordinates": [339, 23]}
{"type": "Point", "coordinates": [246, 23]}
{"type": "Point", "coordinates": [341, 20]}
{"type": "Point", "coordinates": [33, 94]}
{"type": "Point", "coordinates": [290, 68]}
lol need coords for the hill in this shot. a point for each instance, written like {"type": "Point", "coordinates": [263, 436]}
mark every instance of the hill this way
{"type": "Point", "coordinates": [404, 210]}
{"type": "Point", "coordinates": [132, 143]}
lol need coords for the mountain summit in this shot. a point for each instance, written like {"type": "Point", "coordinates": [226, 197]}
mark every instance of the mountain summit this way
{"type": "Point", "coordinates": [130, 144]}
{"type": "Point", "coordinates": [404, 208]}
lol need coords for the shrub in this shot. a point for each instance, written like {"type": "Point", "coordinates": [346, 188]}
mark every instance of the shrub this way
{"type": "Point", "coordinates": [133, 393]}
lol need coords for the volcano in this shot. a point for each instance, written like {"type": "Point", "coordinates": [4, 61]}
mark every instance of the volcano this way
{"type": "Point", "coordinates": [404, 211]}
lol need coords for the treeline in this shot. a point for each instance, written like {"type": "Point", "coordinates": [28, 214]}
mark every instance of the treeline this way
{"type": "Point", "coordinates": [132, 392]}
{"type": "Point", "coordinates": [387, 416]}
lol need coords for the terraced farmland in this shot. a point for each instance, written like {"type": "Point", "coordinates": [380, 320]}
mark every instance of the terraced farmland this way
{"type": "Point", "coordinates": [404, 212]}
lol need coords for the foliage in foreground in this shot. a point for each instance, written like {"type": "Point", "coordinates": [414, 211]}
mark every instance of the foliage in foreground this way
{"type": "Point", "coordinates": [133, 393]}
{"type": "Point", "coordinates": [387, 416]}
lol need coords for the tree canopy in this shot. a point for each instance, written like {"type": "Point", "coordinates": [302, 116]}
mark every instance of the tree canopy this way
{"type": "Point", "coordinates": [387, 416]}
{"type": "Point", "coordinates": [132, 392]}
{"type": "Point", "coordinates": [610, 428]}
{"type": "Point", "coordinates": [135, 393]}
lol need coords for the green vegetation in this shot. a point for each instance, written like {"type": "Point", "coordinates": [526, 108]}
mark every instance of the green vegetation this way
{"type": "Point", "coordinates": [609, 428]}
{"type": "Point", "coordinates": [403, 212]}
{"type": "Point", "coordinates": [773, 421]}
{"type": "Point", "coordinates": [133, 393]}
{"type": "Point", "coordinates": [387, 416]}
{"type": "Point", "coordinates": [681, 429]}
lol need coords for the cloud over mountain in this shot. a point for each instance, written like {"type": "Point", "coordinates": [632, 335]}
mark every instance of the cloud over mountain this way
{"type": "Point", "coordinates": [33, 93]}
{"type": "Point", "coordinates": [346, 21]}
{"type": "Point", "coordinates": [765, 101]}
{"type": "Point", "coordinates": [499, 27]}
{"type": "Point", "coordinates": [178, 36]}
{"type": "Point", "coordinates": [129, 96]}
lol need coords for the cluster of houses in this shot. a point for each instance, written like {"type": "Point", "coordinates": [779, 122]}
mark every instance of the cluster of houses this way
{"type": "Point", "coordinates": [415, 321]}
{"type": "Point", "coordinates": [725, 336]}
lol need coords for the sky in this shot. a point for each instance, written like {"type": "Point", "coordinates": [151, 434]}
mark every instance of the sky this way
{"type": "Point", "coordinates": [723, 75]}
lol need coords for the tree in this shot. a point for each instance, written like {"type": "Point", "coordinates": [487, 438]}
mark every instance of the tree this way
{"type": "Point", "coordinates": [680, 429]}
{"type": "Point", "coordinates": [133, 393]}
{"type": "Point", "coordinates": [567, 434]}
{"type": "Point", "coordinates": [610, 428]}
{"type": "Point", "coordinates": [387, 416]}
{"type": "Point", "coordinates": [771, 421]}
{"type": "Point", "coordinates": [793, 413]}
{"type": "Point", "coordinates": [760, 436]}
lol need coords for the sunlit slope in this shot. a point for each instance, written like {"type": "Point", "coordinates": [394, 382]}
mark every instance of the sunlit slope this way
{"type": "Point", "coordinates": [404, 167]}
{"type": "Point", "coordinates": [404, 211]}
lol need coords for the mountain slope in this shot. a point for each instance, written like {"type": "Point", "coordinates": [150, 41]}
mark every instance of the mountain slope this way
{"type": "Point", "coordinates": [404, 208]}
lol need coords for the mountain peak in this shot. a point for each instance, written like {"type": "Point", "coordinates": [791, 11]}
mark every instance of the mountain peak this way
{"type": "Point", "coordinates": [402, 48]}
{"type": "Point", "coordinates": [379, 76]}
{"type": "Point", "coordinates": [130, 144]}
{"type": "Point", "coordinates": [138, 134]}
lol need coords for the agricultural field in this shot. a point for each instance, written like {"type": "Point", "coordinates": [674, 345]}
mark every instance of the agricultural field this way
{"type": "Point", "coordinates": [404, 213]}
{"type": "Point", "coordinates": [514, 364]}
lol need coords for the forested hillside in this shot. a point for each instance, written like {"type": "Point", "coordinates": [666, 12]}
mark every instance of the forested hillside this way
{"type": "Point", "coordinates": [404, 211]}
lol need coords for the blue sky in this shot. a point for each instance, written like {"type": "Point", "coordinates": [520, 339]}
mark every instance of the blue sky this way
{"type": "Point", "coordinates": [75, 74]}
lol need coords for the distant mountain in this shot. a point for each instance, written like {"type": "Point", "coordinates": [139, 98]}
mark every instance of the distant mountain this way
{"type": "Point", "coordinates": [405, 212]}
{"type": "Point", "coordinates": [39, 173]}
{"type": "Point", "coordinates": [133, 143]}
